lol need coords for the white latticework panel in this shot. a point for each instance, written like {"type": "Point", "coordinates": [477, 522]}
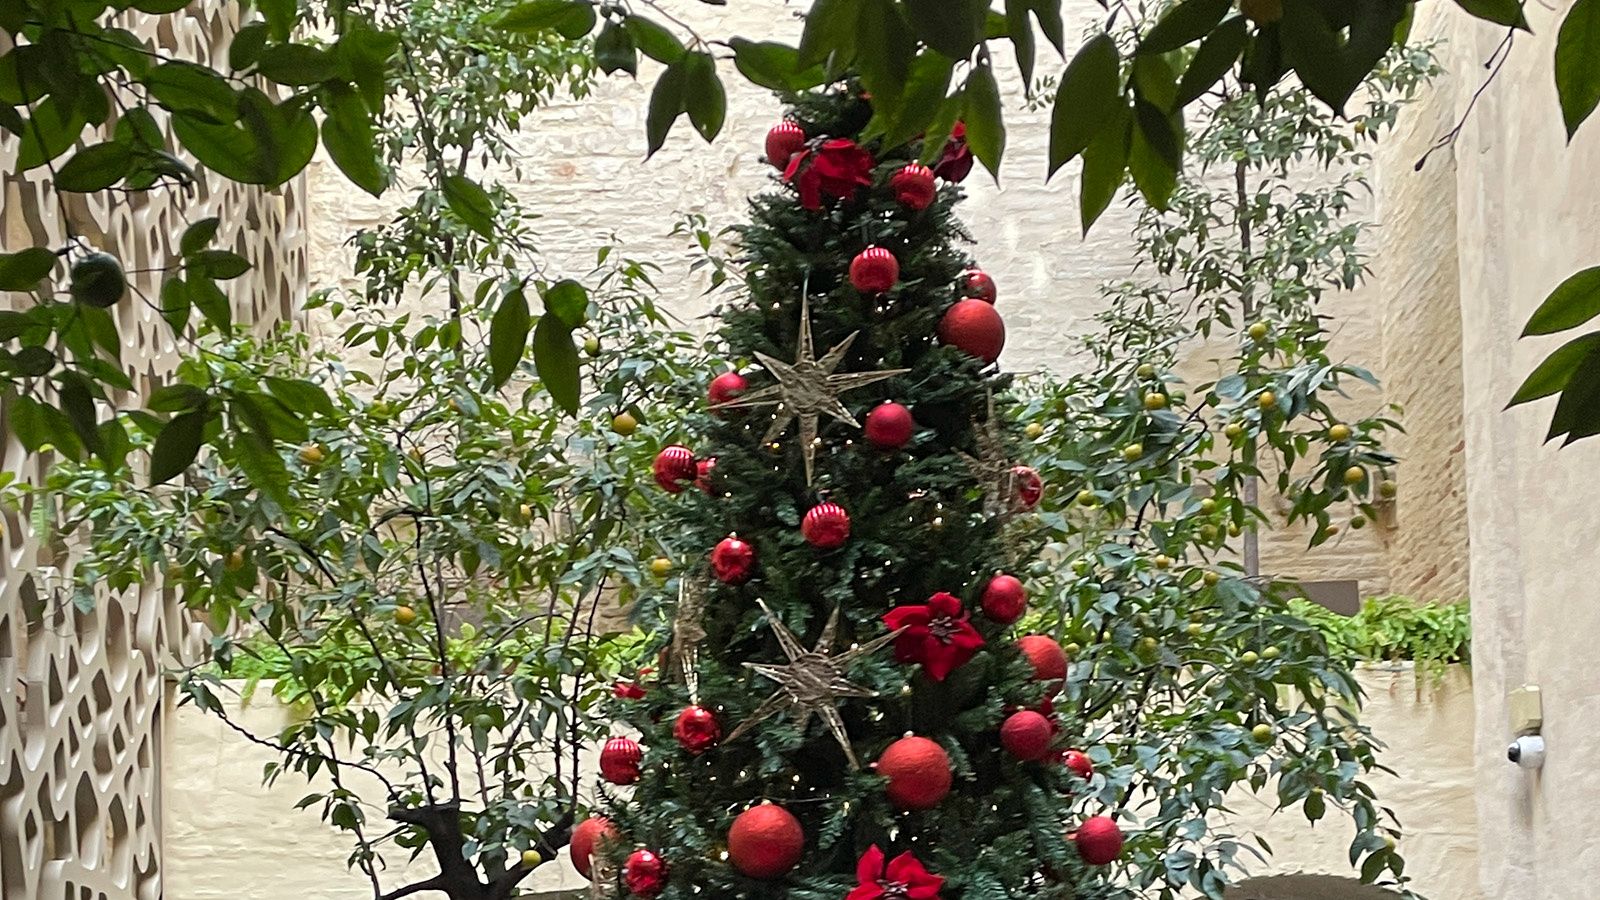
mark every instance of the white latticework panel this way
{"type": "Point", "coordinates": [81, 695]}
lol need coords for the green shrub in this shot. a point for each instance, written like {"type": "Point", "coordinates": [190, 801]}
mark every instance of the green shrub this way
{"type": "Point", "coordinates": [1396, 628]}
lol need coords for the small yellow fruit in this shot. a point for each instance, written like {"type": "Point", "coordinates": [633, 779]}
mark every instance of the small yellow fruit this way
{"type": "Point", "coordinates": [1259, 331]}
{"type": "Point", "coordinates": [1208, 532]}
{"type": "Point", "coordinates": [526, 512]}
{"type": "Point", "coordinates": [1208, 506]}
{"type": "Point", "coordinates": [1263, 732]}
{"type": "Point", "coordinates": [1332, 529]}
{"type": "Point", "coordinates": [1234, 431]}
{"type": "Point", "coordinates": [416, 454]}
{"type": "Point", "coordinates": [404, 615]}
{"type": "Point", "coordinates": [624, 424]}
{"type": "Point", "coordinates": [1147, 371]}
{"type": "Point", "coordinates": [1133, 452]}
{"type": "Point", "coordinates": [1086, 497]}
{"type": "Point", "coordinates": [1162, 561]}
{"type": "Point", "coordinates": [454, 406]}
{"type": "Point", "coordinates": [311, 454]}
{"type": "Point", "coordinates": [1234, 530]}
{"type": "Point", "coordinates": [1354, 475]}
{"type": "Point", "coordinates": [235, 561]}
{"type": "Point", "coordinates": [1249, 657]}
{"type": "Point", "coordinates": [1387, 489]}
{"type": "Point", "coordinates": [1360, 127]}
{"type": "Point", "coordinates": [1358, 522]}
{"type": "Point", "coordinates": [661, 567]}
{"type": "Point", "coordinates": [1196, 629]}
{"type": "Point", "coordinates": [1071, 649]}
{"type": "Point", "coordinates": [1035, 430]}
{"type": "Point", "coordinates": [1148, 646]}
{"type": "Point", "coordinates": [1211, 579]}
{"type": "Point", "coordinates": [1390, 842]}
{"type": "Point", "coordinates": [1267, 400]}
{"type": "Point", "coordinates": [531, 858]}
{"type": "Point", "coordinates": [591, 345]}
{"type": "Point", "coordinates": [1271, 653]}
{"type": "Point", "coordinates": [1339, 432]}
{"type": "Point", "coordinates": [1155, 400]}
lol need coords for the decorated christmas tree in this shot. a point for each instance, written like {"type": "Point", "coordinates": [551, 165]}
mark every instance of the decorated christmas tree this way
{"type": "Point", "coordinates": [845, 707]}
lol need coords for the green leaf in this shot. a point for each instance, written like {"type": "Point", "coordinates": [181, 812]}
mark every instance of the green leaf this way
{"type": "Point", "coordinates": [1500, 12]}
{"type": "Point", "coordinates": [774, 66]}
{"type": "Point", "coordinates": [1021, 31]}
{"type": "Point", "coordinates": [347, 135]}
{"type": "Point", "coordinates": [102, 329]}
{"type": "Point", "coordinates": [23, 270]}
{"type": "Point", "coordinates": [198, 235]}
{"type": "Point", "coordinates": [77, 401]}
{"type": "Point", "coordinates": [175, 303]}
{"type": "Point", "coordinates": [196, 90]}
{"type": "Point", "coordinates": [34, 362]}
{"type": "Point", "coordinates": [219, 264]}
{"type": "Point", "coordinates": [212, 303]}
{"type": "Point", "coordinates": [986, 130]}
{"type": "Point", "coordinates": [95, 168]}
{"type": "Point", "coordinates": [654, 40]}
{"type": "Point", "coordinates": [245, 50]}
{"type": "Point", "coordinates": [281, 16]}
{"type": "Point", "coordinates": [470, 203]}
{"type": "Point", "coordinates": [1216, 56]}
{"type": "Point", "coordinates": [508, 336]}
{"type": "Point", "coordinates": [1154, 155]}
{"type": "Point", "coordinates": [703, 96]}
{"type": "Point", "coordinates": [268, 144]}
{"type": "Point", "coordinates": [1577, 413]}
{"type": "Point", "coordinates": [53, 127]}
{"type": "Point", "coordinates": [1578, 63]}
{"type": "Point", "coordinates": [296, 65]}
{"type": "Point", "coordinates": [1156, 82]}
{"type": "Point", "coordinates": [1552, 375]}
{"type": "Point", "coordinates": [1574, 302]}
{"type": "Point", "coordinates": [1105, 166]}
{"type": "Point", "coordinates": [571, 19]}
{"type": "Point", "coordinates": [927, 80]}
{"type": "Point", "coordinates": [884, 70]}
{"type": "Point", "coordinates": [1087, 101]}
{"type": "Point", "coordinates": [301, 397]}
{"type": "Point", "coordinates": [176, 398]}
{"type": "Point", "coordinates": [952, 27]}
{"type": "Point", "coordinates": [1184, 24]}
{"type": "Point", "coordinates": [829, 37]}
{"type": "Point", "coordinates": [614, 50]}
{"type": "Point", "coordinates": [368, 55]}
{"type": "Point", "coordinates": [177, 446]}
{"type": "Point", "coordinates": [556, 360]}
{"type": "Point", "coordinates": [666, 103]}
{"type": "Point", "coordinates": [569, 301]}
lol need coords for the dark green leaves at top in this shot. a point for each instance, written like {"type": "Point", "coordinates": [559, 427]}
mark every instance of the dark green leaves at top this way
{"type": "Point", "coordinates": [177, 446]}
{"type": "Point", "coordinates": [952, 27]}
{"type": "Point", "coordinates": [348, 136]}
{"type": "Point", "coordinates": [666, 104]}
{"type": "Point", "coordinates": [1184, 24]}
{"type": "Point", "coordinates": [1500, 12]}
{"type": "Point", "coordinates": [264, 143]}
{"type": "Point", "coordinates": [1578, 64]}
{"type": "Point", "coordinates": [1087, 100]}
{"type": "Point", "coordinates": [1216, 56]}
{"type": "Point", "coordinates": [774, 66]}
{"type": "Point", "coordinates": [614, 50]}
{"type": "Point", "coordinates": [555, 358]}
{"type": "Point", "coordinates": [986, 130]}
{"type": "Point", "coordinates": [198, 235]}
{"type": "Point", "coordinates": [829, 37]}
{"type": "Point", "coordinates": [296, 65]}
{"type": "Point", "coordinates": [568, 301]}
{"type": "Point", "coordinates": [1557, 370]}
{"type": "Point", "coordinates": [1574, 302]}
{"type": "Point", "coordinates": [1334, 47]}
{"type": "Point", "coordinates": [95, 168]}
{"type": "Point", "coordinates": [1577, 413]}
{"type": "Point", "coordinates": [703, 96]}
{"type": "Point", "coordinates": [23, 270]}
{"type": "Point", "coordinates": [470, 203]}
{"type": "Point", "coordinates": [508, 336]}
{"type": "Point", "coordinates": [1105, 167]}
{"type": "Point", "coordinates": [571, 19]}
{"type": "Point", "coordinates": [654, 40]}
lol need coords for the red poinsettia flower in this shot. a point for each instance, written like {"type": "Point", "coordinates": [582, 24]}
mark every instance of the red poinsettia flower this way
{"type": "Point", "coordinates": [902, 879]}
{"type": "Point", "coordinates": [628, 690]}
{"type": "Point", "coordinates": [937, 634]}
{"type": "Point", "coordinates": [956, 161]}
{"type": "Point", "coordinates": [838, 169]}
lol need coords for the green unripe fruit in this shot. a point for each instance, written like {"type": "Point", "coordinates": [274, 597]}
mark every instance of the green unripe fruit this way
{"type": "Point", "coordinates": [1211, 579]}
{"type": "Point", "coordinates": [1263, 732]}
{"type": "Point", "coordinates": [1234, 431]}
{"type": "Point", "coordinates": [1208, 506]}
{"type": "Point", "coordinates": [1086, 497]}
{"type": "Point", "coordinates": [1358, 522]}
{"type": "Point", "coordinates": [591, 345]}
{"type": "Point", "coordinates": [1259, 331]}
{"type": "Point", "coordinates": [1271, 653]}
{"type": "Point", "coordinates": [1354, 475]}
{"type": "Point", "coordinates": [1155, 400]}
{"type": "Point", "coordinates": [1387, 489]}
{"type": "Point", "coordinates": [1133, 452]}
{"type": "Point", "coordinates": [1249, 657]}
{"type": "Point", "coordinates": [1147, 371]}
{"type": "Point", "coordinates": [98, 280]}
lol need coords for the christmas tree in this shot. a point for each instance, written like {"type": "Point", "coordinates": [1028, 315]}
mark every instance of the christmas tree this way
{"type": "Point", "coordinates": [845, 707]}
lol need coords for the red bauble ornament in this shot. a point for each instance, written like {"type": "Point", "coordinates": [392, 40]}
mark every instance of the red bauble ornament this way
{"type": "Point", "coordinates": [784, 140]}
{"type": "Point", "coordinates": [914, 186]}
{"type": "Point", "coordinates": [889, 426]}
{"type": "Point", "coordinates": [918, 770]}
{"type": "Point", "coordinates": [1026, 486]}
{"type": "Point", "coordinates": [1026, 735]}
{"type": "Point", "coordinates": [765, 841]}
{"type": "Point", "coordinates": [974, 327]}
{"type": "Point", "coordinates": [645, 873]}
{"type": "Point", "coordinates": [874, 270]}
{"type": "Point", "coordinates": [705, 469]}
{"type": "Point", "coordinates": [586, 837]}
{"type": "Point", "coordinates": [826, 526]}
{"type": "Point", "coordinates": [733, 561]}
{"type": "Point", "coordinates": [697, 730]}
{"type": "Point", "coordinates": [1079, 762]}
{"type": "Point", "coordinates": [619, 760]}
{"type": "Point", "coordinates": [1099, 840]}
{"type": "Point", "coordinates": [1004, 599]}
{"type": "Point", "coordinates": [674, 468]}
{"type": "Point", "coordinates": [726, 387]}
{"type": "Point", "coordinates": [1048, 659]}
{"type": "Point", "coordinates": [976, 284]}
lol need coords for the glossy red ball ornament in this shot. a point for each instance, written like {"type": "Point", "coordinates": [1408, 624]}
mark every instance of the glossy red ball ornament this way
{"type": "Point", "coordinates": [889, 426]}
{"type": "Point", "coordinates": [674, 468]}
{"type": "Point", "coordinates": [874, 270]}
{"type": "Point", "coordinates": [784, 140]}
{"type": "Point", "coordinates": [918, 770]}
{"type": "Point", "coordinates": [766, 841]}
{"type": "Point", "coordinates": [1004, 599]}
{"type": "Point", "coordinates": [914, 186]}
{"type": "Point", "coordinates": [1099, 840]}
{"type": "Point", "coordinates": [1026, 486]}
{"type": "Point", "coordinates": [1079, 762]}
{"type": "Point", "coordinates": [726, 387]}
{"type": "Point", "coordinates": [697, 730]}
{"type": "Point", "coordinates": [619, 760]}
{"type": "Point", "coordinates": [586, 838]}
{"type": "Point", "coordinates": [733, 561]}
{"type": "Point", "coordinates": [645, 873]}
{"type": "Point", "coordinates": [976, 284]}
{"type": "Point", "coordinates": [1026, 735]}
{"type": "Point", "coordinates": [705, 470]}
{"type": "Point", "coordinates": [974, 327]}
{"type": "Point", "coordinates": [826, 526]}
{"type": "Point", "coordinates": [1048, 659]}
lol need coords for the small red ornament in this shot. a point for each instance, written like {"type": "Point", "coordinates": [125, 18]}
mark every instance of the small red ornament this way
{"type": "Point", "coordinates": [586, 837]}
{"type": "Point", "coordinates": [874, 270]}
{"type": "Point", "coordinates": [733, 561]}
{"type": "Point", "coordinates": [918, 770]}
{"type": "Point", "coordinates": [914, 186]}
{"type": "Point", "coordinates": [1026, 735]}
{"type": "Point", "coordinates": [902, 878]}
{"type": "Point", "coordinates": [784, 140]}
{"type": "Point", "coordinates": [697, 730]}
{"type": "Point", "coordinates": [1099, 840]}
{"type": "Point", "coordinates": [628, 690]}
{"type": "Point", "coordinates": [674, 468]}
{"type": "Point", "coordinates": [1079, 762]}
{"type": "Point", "coordinates": [645, 873]}
{"type": "Point", "coordinates": [705, 469]}
{"type": "Point", "coordinates": [1026, 486]}
{"type": "Point", "coordinates": [976, 284]}
{"type": "Point", "coordinates": [889, 426]}
{"type": "Point", "coordinates": [726, 388]}
{"type": "Point", "coordinates": [1004, 599]}
{"type": "Point", "coordinates": [974, 327]}
{"type": "Point", "coordinates": [619, 760]}
{"type": "Point", "coordinates": [765, 841]}
{"type": "Point", "coordinates": [826, 526]}
{"type": "Point", "coordinates": [1048, 659]}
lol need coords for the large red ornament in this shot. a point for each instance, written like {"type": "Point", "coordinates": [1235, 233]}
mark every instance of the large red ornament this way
{"type": "Point", "coordinates": [1026, 486]}
{"type": "Point", "coordinates": [826, 526]}
{"type": "Point", "coordinates": [784, 140]}
{"type": "Point", "coordinates": [889, 426]}
{"type": "Point", "coordinates": [705, 470]}
{"type": "Point", "coordinates": [1079, 762]}
{"type": "Point", "coordinates": [1099, 840]}
{"type": "Point", "coordinates": [619, 760]}
{"type": "Point", "coordinates": [586, 837]}
{"type": "Point", "coordinates": [1048, 659]}
{"type": "Point", "coordinates": [974, 327]}
{"type": "Point", "coordinates": [697, 730]}
{"type": "Point", "coordinates": [874, 270]}
{"type": "Point", "coordinates": [956, 161]}
{"type": "Point", "coordinates": [674, 468]}
{"type": "Point", "coordinates": [765, 841]}
{"type": "Point", "coordinates": [645, 873]}
{"type": "Point", "coordinates": [977, 284]}
{"type": "Point", "coordinates": [726, 387]}
{"type": "Point", "coordinates": [914, 186]}
{"type": "Point", "coordinates": [733, 561]}
{"type": "Point", "coordinates": [1026, 735]}
{"type": "Point", "coordinates": [1004, 599]}
{"type": "Point", "coordinates": [918, 770]}
{"type": "Point", "coordinates": [902, 878]}
{"type": "Point", "coordinates": [937, 635]}
{"type": "Point", "coordinates": [837, 169]}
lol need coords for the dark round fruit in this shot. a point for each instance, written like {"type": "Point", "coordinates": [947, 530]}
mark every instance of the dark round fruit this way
{"type": "Point", "coordinates": [98, 280]}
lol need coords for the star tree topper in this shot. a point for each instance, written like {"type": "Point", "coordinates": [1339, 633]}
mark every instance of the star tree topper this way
{"type": "Point", "coordinates": [814, 681]}
{"type": "Point", "coordinates": [808, 389]}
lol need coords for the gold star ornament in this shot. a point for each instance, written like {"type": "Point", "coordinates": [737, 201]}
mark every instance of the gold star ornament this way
{"type": "Point", "coordinates": [807, 389]}
{"type": "Point", "coordinates": [992, 468]}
